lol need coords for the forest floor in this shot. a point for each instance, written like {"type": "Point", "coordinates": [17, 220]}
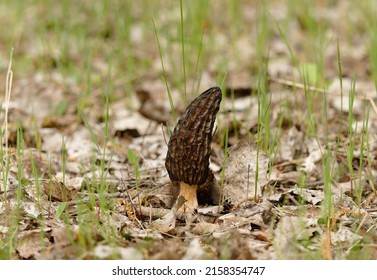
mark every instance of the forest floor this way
{"type": "Point", "coordinates": [87, 117]}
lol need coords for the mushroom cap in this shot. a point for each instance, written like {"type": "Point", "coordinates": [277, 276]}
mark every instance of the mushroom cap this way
{"type": "Point", "coordinates": [189, 147]}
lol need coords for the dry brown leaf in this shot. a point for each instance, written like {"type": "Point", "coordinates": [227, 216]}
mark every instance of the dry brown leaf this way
{"type": "Point", "coordinates": [59, 122]}
{"type": "Point", "coordinates": [166, 223]}
{"type": "Point", "coordinates": [61, 236]}
{"type": "Point", "coordinates": [277, 175]}
{"type": "Point", "coordinates": [344, 236]}
{"type": "Point", "coordinates": [31, 210]}
{"type": "Point", "coordinates": [292, 144]}
{"type": "Point", "coordinates": [290, 231]}
{"type": "Point", "coordinates": [242, 164]}
{"type": "Point", "coordinates": [343, 188]}
{"type": "Point", "coordinates": [155, 111]}
{"type": "Point", "coordinates": [312, 196]}
{"type": "Point", "coordinates": [231, 221]}
{"type": "Point", "coordinates": [131, 124]}
{"type": "Point", "coordinates": [11, 186]}
{"type": "Point", "coordinates": [31, 244]}
{"type": "Point", "coordinates": [240, 81]}
{"type": "Point", "coordinates": [164, 195]}
{"type": "Point", "coordinates": [52, 139]}
{"type": "Point", "coordinates": [362, 89]}
{"type": "Point", "coordinates": [79, 146]}
{"type": "Point", "coordinates": [59, 191]}
{"type": "Point", "coordinates": [236, 244]}
{"type": "Point", "coordinates": [210, 210]}
{"type": "Point", "coordinates": [204, 228]}
{"type": "Point", "coordinates": [41, 98]}
{"type": "Point", "coordinates": [262, 235]}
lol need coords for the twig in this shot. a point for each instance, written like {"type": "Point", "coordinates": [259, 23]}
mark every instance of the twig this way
{"type": "Point", "coordinates": [163, 134]}
{"type": "Point", "coordinates": [153, 212]}
{"type": "Point", "coordinates": [315, 89]}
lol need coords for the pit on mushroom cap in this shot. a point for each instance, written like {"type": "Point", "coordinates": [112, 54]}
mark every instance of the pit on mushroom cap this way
{"type": "Point", "coordinates": [189, 148]}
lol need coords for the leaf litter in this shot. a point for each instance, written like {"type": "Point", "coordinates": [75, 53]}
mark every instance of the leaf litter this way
{"type": "Point", "coordinates": [270, 208]}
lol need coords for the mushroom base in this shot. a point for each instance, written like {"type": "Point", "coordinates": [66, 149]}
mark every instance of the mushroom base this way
{"type": "Point", "coordinates": [188, 192]}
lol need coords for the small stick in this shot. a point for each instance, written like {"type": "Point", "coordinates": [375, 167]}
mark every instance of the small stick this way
{"type": "Point", "coordinates": [312, 88]}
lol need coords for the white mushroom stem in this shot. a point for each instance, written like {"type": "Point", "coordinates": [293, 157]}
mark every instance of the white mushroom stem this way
{"type": "Point", "coordinates": [188, 192]}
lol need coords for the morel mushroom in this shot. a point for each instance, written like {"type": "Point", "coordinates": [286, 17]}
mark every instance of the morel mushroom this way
{"type": "Point", "coordinates": [189, 148]}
